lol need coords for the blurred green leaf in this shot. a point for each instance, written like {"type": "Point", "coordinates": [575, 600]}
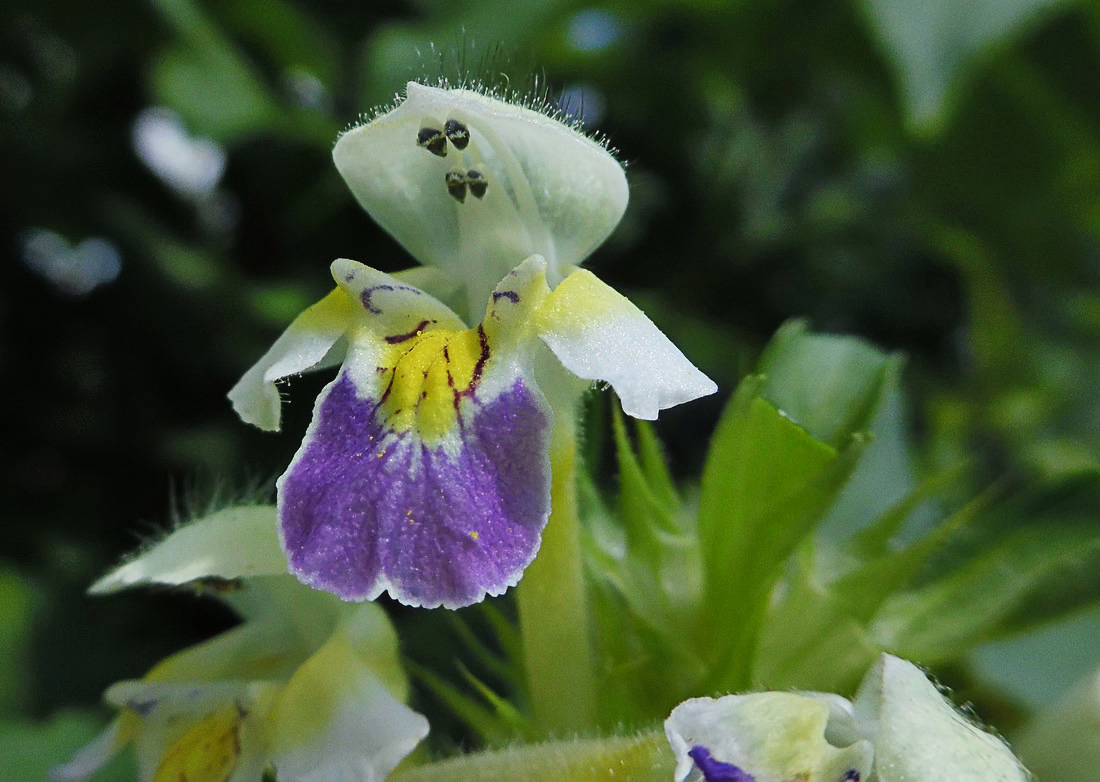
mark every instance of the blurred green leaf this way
{"type": "Point", "coordinates": [491, 726]}
{"type": "Point", "coordinates": [222, 93]}
{"type": "Point", "coordinates": [816, 634]}
{"type": "Point", "coordinates": [644, 572]}
{"type": "Point", "coordinates": [470, 41]}
{"type": "Point", "coordinates": [16, 605]}
{"type": "Point", "coordinates": [811, 639]}
{"type": "Point", "coordinates": [1039, 558]}
{"type": "Point", "coordinates": [31, 749]}
{"type": "Point", "coordinates": [214, 91]}
{"type": "Point", "coordinates": [931, 43]}
{"type": "Point", "coordinates": [1039, 666]}
{"type": "Point", "coordinates": [289, 36]}
{"type": "Point", "coordinates": [1060, 744]}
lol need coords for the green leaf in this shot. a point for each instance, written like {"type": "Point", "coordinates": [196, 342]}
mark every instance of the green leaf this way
{"type": "Point", "coordinates": [932, 42]}
{"type": "Point", "coordinates": [504, 629]}
{"type": "Point", "coordinates": [654, 466]}
{"type": "Point", "coordinates": [208, 80]}
{"type": "Point", "coordinates": [219, 91]}
{"type": "Point", "coordinates": [644, 516]}
{"type": "Point", "coordinates": [1060, 743]}
{"type": "Point", "coordinates": [830, 385]}
{"type": "Point", "coordinates": [766, 484]}
{"type": "Point", "coordinates": [816, 637]}
{"type": "Point", "coordinates": [505, 711]}
{"type": "Point", "coordinates": [835, 386]}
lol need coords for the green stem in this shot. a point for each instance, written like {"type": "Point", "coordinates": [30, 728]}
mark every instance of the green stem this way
{"type": "Point", "coordinates": [553, 608]}
{"type": "Point", "coordinates": [642, 758]}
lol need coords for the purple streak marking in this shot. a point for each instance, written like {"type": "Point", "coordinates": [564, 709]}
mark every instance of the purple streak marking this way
{"type": "Point", "coordinates": [715, 770]}
{"type": "Point", "coordinates": [344, 512]}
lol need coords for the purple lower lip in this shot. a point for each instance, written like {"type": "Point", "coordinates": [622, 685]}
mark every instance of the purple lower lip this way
{"type": "Point", "coordinates": [429, 526]}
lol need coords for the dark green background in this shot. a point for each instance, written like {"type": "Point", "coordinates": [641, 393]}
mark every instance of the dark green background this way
{"type": "Point", "coordinates": [927, 178]}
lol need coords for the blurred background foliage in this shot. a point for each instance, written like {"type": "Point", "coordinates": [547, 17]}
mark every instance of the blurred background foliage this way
{"type": "Point", "coordinates": [922, 175]}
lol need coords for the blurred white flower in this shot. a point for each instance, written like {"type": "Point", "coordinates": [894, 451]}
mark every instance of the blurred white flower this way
{"type": "Point", "coordinates": [307, 689]}
{"type": "Point", "coordinates": [190, 165]}
{"type": "Point", "coordinates": [74, 270]}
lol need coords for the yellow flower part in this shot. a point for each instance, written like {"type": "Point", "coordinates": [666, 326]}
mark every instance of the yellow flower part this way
{"type": "Point", "coordinates": [429, 374]}
{"type": "Point", "coordinates": [207, 752]}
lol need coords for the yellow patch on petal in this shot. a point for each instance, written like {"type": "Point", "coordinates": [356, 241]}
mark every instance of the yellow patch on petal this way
{"type": "Point", "coordinates": [207, 752]}
{"type": "Point", "coordinates": [430, 372]}
{"type": "Point", "coordinates": [582, 301]}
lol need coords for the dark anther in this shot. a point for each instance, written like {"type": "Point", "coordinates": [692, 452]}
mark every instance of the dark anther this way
{"type": "Point", "coordinates": [457, 133]}
{"type": "Point", "coordinates": [476, 182]}
{"type": "Point", "coordinates": [432, 140]}
{"type": "Point", "coordinates": [456, 185]}
{"type": "Point", "coordinates": [851, 775]}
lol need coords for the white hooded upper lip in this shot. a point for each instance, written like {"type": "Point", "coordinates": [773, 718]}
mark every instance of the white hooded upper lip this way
{"type": "Point", "coordinates": [548, 189]}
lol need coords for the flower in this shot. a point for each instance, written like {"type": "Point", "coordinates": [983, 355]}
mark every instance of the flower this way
{"type": "Point", "coordinates": [306, 689]}
{"type": "Point", "coordinates": [426, 470]}
{"type": "Point", "coordinates": [767, 737]}
{"type": "Point", "coordinates": [898, 728]}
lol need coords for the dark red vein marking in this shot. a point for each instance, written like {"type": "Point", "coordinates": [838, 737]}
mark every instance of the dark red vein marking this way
{"type": "Point", "coordinates": [396, 339]}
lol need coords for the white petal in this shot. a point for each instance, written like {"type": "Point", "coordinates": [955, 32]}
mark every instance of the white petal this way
{"type": "Point", "coordinates": [773, 736]}
{"type": "Point", "coordinates": [303, 346]}
{"type": "Point", "coordinates": [216, 724]}
{"type": "Point", "coordinates": [433, 281]}
{"type": "Point", "coordinates": [551, 190]}
{"type": "Point", "coordinates": [92, 756]}
{"type": "Point", "coordinates": [599, 335]}
{"type": "Point", "coordinates": [336, 722]}
{"type": "Point", "coordinates": [235, 542]}
{"type": "Point", "coordinates": [918, 734]}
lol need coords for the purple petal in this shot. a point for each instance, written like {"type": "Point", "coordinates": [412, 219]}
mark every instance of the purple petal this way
{"type": "Point", "coordinates": [363, 510]}
{"type": "Point", "coordinates": [715, 770]}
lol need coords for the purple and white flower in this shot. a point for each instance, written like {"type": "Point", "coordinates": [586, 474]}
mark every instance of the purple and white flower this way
{"type": "Point", "coordinates": [898, 728]}
{"type": "Point", "coordinates": [425, 472]}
